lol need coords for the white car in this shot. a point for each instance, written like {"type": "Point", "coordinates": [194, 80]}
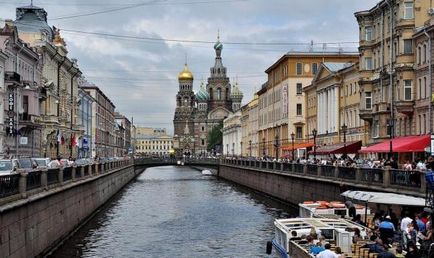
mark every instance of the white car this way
{"type": "Point", "coordinates": [42, 162]}
{"type": "Point", "coordinates": [8, 166]}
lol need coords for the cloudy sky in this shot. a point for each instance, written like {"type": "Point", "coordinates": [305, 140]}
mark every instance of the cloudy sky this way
{"type": "Point", "coordinates": [134, 49]}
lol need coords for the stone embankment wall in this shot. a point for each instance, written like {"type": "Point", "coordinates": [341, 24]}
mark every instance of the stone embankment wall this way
{"type": "Point", "coordinates": [292, 189]}
{"type": "Point", "coordinates": [32, 226]}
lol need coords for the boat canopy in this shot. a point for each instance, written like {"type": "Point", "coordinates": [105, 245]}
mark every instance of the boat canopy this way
{"type": "Point", "coordinates": [384, 198]}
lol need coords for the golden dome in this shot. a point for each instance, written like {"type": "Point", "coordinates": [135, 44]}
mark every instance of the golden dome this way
{"type": "Point", "coordinates": [185, 74]}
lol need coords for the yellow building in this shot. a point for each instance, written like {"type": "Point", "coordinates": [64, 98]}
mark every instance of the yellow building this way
{"type": "Point", "coordinates": [333, 102]}
{"type": "Point", "coordinates": [249, 127]}
{"type": "Point", "coordinates": [387, 59]}
{"type": "Point", "coordinates": [152, 141]}
{"type": "Point", "coordinates": [282, 104]}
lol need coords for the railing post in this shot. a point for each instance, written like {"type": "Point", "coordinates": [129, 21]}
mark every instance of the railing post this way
{"type": "Point", "coordinates": [22, 184]}
{"type": "Point", "coordinates": [318, 170]}
{"type": "Point", "coordinates": [82, 171]}
{"type": "Point", "coordinates": [336, 171]}
{"type": "Point", "coordinates": [358, 174]}
{"type": "Point", "coordinates": [96, 169]}
{"type": "Point", "coordinates": [305, 169]}
{"type": "Point", "coordinates": [102, 168]}
{"type": "Point", "coordinates": [274, 165]}
{"type": "Point", "coordinates": [422, 182]}
{"type": "Point", "coordinates": [44, 179]}
{"type": "Point", "coordinates": [73, 171]}
{"type": "Point", "coordinates": [386, 176]}
{"type": "Point", "coordinates": [60, 176]}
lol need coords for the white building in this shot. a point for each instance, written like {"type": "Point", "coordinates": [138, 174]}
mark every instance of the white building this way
{"type": "Point", "coordinates": [232, 134]}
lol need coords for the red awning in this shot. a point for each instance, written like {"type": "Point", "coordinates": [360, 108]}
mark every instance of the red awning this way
{"type": "Point", "coordinates": [401, 144]}
{"type": "Point", "coordinates": [301, 145]}
{"type": "Point", "coordinates": [339, 148]}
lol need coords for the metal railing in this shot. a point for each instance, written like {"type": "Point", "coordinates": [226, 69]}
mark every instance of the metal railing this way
{"type": "Point", "coordinates": [347, 173]}
{"type": "Point", "coordinates": [23, 183]}
{"type": "Point", "coordinates": [371, 175]}
{"type": "Point", "coordinates": [406, 178]}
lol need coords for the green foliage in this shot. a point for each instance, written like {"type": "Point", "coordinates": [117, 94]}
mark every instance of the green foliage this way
{"type": "Point", "coordinates": [215, 137]}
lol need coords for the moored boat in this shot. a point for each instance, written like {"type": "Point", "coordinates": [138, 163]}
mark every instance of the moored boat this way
{"type": "Point", "coordinates": [334, 209]}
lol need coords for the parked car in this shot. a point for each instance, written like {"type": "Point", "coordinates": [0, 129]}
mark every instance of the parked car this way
{"type": "Point", "coordinates": [27, 164]}
{"type": "Point", "coordinates": [42, 162]}
{"type": "Point", "coordinates": [8, 166]}
{"type": "Point", "coordinates": [83, 162]}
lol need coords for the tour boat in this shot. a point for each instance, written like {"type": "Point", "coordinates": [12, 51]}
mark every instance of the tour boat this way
{"type": "Point", "coordinates": [334, 209]}
{"type": "Point", "coordinates": [206, 172]}
{"type": "Point", "coordinates": [338, 232]}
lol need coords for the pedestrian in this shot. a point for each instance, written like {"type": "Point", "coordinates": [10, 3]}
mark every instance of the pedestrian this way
{"type": "Point", "coordinates": [327, 253]}
{"type": "Point", "coordinates": [413, 251]}
{"type": "Point", "coordinates": [387, 229]}
{"type": "Point", "coordinates": [351, 208]}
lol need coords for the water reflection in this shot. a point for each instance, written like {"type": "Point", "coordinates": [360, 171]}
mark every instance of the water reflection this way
{"type": "Point", "coordinates": [178, 212]}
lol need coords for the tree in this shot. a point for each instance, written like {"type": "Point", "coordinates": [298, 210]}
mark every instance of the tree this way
{"type": "Point", "coordinates": [215, 137]}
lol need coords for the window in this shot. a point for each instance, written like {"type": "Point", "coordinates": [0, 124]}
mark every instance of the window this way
{"type": "Point", "coordinates": [368, 63]}
{"type": "Point", "coordinates": [368, 33]}
{"type": "Point", "coordinates": [368, 100]}
{"type": "Point", "coordinates": [299, 69]}
{"type": "Point", "coordinates": [419, 55]}
{"type": "Point", "coordinates": [203, 142]}
{"type": "Point", "coordinates": [299, 132]}
{"type": "Point", "coordinates": [299, 88]}
{"type": "Point", "coordinates": [408, 46]}
{"type": "Point", "coordinates": [219, 94]}
{"type": "Point", "coordinates": [407, 89]}
{"type": "Point", "coordinates": [299, 110]}
{"type": "Point", "coordinates": [203, 128]}
{"type": "Point", "coordinates": [408, 11]}
{"type": "Point", "coordinates": [314, 68]}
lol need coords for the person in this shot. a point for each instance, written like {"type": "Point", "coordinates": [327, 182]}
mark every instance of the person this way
{"type": "Point", "coordinates": [399, 252]}
{"type": "Point", "coordinates": [386, 254]}
{"type": "Point", "coordinates": [316, 249]}
{"type": "Point", "coordinates": [413, 252]}
{"type": "Point", "coordinates": [339, 252]}
{"type": "Point", "coordinates": [405, 221]}
{"type": "Point", "coordinates": [351, 208]}
{"type": "Point", "coordinates": [387, 229]}
{"type": "Point", "coordinates": [407, 166]}
{"type": "Point", "coordinates": [55, 163]}
{"type": "Point", "coordinates": [358, 220]}
{"type": "Point", "coordinates": [420, 224]}
{"type": "Point", "coordinates": [357, 237]}
{"type": "Point", "coordinates": [378, 247]}
{"type": "Point", "coordinates": [327, 253]}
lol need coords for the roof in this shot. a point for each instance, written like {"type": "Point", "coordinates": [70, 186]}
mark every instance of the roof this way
{"type": "Point", "coordinates": [339, 148]}
{"type": "Point", "coordinates": [384, 198]}
{"type": "Point", "coordinates": [335, 67]}
{"type": "Point", "coordinates": [89, 86]}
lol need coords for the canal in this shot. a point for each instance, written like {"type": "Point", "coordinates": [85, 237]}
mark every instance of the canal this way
{"type": "Point", "coordinates": [178, 212]}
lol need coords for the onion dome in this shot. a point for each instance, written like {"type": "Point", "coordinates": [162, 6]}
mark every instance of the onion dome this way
{"type": "Point", "coordinates": [218, 45]}
{"type": "Point", "coordinates": [236, 92]}
{"type": "Point", "coordinates": [185, 74]}
{"type": "Point", "coordinates": [202, 95]}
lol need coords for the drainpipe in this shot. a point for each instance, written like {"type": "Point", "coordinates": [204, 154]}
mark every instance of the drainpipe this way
{"type": "Point", "coordinates": [430, 80]}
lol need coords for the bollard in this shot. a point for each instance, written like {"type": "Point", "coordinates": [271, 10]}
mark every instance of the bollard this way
{"type": "Point", "coordinates": [73, 170]}
{"type": "Point", "coordinates": [60, 176]}
{"type": "Point", "coordinates": [22, 184]}
{"type": "Point", "coordinates": [44, 179]}
{"type": "Point", "coordinates": [386, 176]}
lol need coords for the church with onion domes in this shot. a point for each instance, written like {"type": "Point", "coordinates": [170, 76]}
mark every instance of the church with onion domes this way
{"type": "Point", "coordinates": [197, 113]}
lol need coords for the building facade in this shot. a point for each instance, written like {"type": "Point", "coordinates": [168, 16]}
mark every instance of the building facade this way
{"type": "Point", "coordinates": [282, 104]}
{"type": "Point", "coordinates": [123, 135]}
{"type": "Point", "coordinates": [153, 142]}
{"type": "Point", "coordinates": [22, 86]}
{"type": "Point", "coordinates": [3, 58]}
{"type": "Point", "coordinates": [249, 127]}
{"type": "Point", "coordinates": [103, 122]}
{"type": "Point", "coordinates": [232, 135]}
{"type": "Point", "coordinates": [197, 114]}
{"type": "Point", "coordinates": [59, 103]}
{"type": "Point", "coordinates": [333, 102]}
{"type": "Point", "coordinates": [387, 61]}
{"type": "Point", "coordinates": [85, 142]}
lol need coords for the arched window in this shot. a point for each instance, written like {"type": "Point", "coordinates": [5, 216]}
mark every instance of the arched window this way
{"type": "Point", "coordinates": [219, 94]}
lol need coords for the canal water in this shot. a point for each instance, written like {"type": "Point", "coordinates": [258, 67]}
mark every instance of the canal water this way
{"type": "Point", "coordinates": [178, 212]}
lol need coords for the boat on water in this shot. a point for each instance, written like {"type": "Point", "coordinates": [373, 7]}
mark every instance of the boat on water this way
{"type": "Point", "coordinates": [206, 172]}
{"type": "Point", "coordinates": [334, 209]}
{"type": "Point", "coordinates": [338, 232]}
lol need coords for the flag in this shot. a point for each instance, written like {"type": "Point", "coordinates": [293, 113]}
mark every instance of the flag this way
{"type": "Point", "coordinates": [62, 140]}
{"type": "Point", "coordinates": [59, 136]}
{"type": "Point", "coordinates": [74, 142]}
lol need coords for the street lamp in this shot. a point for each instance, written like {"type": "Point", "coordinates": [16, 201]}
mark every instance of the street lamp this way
{"type": "Point", "coordinates": [314, 132]}
{"type": "Point", "coordinates": [250, 147]}
{"type": "Point", "coordinates": [390, 131]}
{"type": "Point", "coordinates": [263, 146]}
{"type": "Point", "coordinates": [344, 131]}
{"type": "Point", "coordinates": [292, 140]}
{"type": "Point", "coordinates": [276, 146]}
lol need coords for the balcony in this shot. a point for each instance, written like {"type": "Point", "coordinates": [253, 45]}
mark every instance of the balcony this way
{"type": "Point", "coordinates": [49, 119]}
{"type": "Point", "coordinates": [12, 77]}
{"type": "Point", "coordinates": [405, 107]}
{"type": "Point", "coordinates": [366, 114]}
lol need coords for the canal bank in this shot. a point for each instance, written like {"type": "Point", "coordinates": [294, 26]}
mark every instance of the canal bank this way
{"type": "Point", "coordinates": [31, 227]}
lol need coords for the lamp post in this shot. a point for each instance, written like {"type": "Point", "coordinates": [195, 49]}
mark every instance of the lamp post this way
{"type": "Point", "coordinates": [314, 132]}
{"type": "Point", "coordinates": [344, 131]}
{"type": "Point", "coordinates": [292, 140]}
{"type": "Point", "coordinates": [390, 131]}
{"type": "Point", "coordinates": [263, 146]}
{"type": "Point", "coordinates": [276, 146]}
{"type": "Point", "coordinates": [250, 147]}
